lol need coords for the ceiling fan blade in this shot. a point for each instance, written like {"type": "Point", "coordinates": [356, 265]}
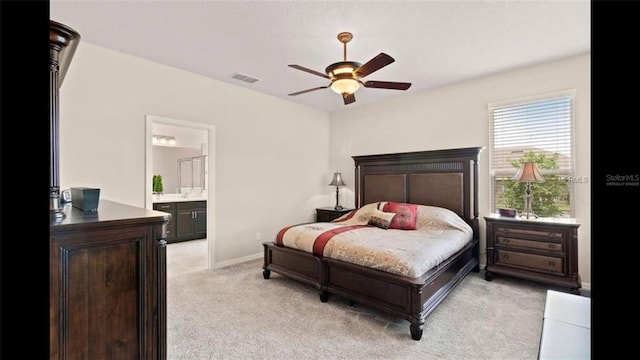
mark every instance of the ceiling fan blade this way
{"type": "Point", "coordinates": [387, 85]}
{"type": "Point", "coordinates": [348, 98]}
{"type": "Point", "coordinates": [308, 90]}
{"type": "Point", "coordinates": [302, 68]}
{"type": "Point", "coordinates": [378, 62]}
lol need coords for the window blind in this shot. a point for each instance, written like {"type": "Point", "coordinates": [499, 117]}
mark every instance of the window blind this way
{"type": "Point", "coordinates": [542, 126]}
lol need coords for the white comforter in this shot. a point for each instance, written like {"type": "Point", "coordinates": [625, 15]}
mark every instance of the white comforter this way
{"type": "Point", "coordinates": [439, 234]}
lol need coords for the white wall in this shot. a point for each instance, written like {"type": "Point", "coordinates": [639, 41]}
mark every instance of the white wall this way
{"type": "Point", "coordinates": [275, 158]}
{"type": "Point", "coordinates": [271, 155]}
{"type": "Point", "coordinates": [457, 116]}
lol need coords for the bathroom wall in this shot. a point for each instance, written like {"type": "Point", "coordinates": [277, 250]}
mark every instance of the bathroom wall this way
{"type": "Point", "coordinates": [165, 163]}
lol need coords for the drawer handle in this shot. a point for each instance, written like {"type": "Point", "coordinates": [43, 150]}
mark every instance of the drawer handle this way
{"type": "Point", "coordinates": [552, 263]}
{"type": "Point", "coordinates": [506, 241]}
{"type": "Point", "coordinates": [505, 256]}
{"type": "Point", "coordinates": [552, 246]}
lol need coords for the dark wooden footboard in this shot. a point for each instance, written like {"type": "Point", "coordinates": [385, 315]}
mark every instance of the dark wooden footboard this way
{"type": "Point", "coordinates": [293, 263]}
{"type": "Point", "coordinates": [410, 298]}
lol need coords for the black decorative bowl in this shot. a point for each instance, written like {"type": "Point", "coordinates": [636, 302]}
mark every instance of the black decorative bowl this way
{"type": "Point", "coordinates": [507, 212]}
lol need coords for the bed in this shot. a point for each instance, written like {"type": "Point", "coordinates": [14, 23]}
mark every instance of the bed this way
{"type": "Point", "coordinates": [430, 180]}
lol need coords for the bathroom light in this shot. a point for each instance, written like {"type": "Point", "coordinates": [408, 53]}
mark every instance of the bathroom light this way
{"type": "Point", "coordinates": [164, 140]}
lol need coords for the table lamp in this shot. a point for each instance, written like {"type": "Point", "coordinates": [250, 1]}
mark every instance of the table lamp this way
{"type": "Point", "coordinates": [528, 173]}
{"type": "Point", "coordinates": [337, 182]}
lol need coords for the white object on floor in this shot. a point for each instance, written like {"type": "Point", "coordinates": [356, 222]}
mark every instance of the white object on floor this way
{"type": "Point", "coordinates": [566, 329]}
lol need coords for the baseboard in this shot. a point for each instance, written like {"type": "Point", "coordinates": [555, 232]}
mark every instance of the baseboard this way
{"type": "Point", "coordinates": [238, 260]}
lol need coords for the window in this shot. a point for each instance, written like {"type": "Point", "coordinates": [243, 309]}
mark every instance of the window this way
{"type": "Point", "coordinates": [541, 131]}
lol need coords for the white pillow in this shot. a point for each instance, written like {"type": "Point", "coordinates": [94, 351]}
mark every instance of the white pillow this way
{"type": "Point", "coordinates": [381, 219]}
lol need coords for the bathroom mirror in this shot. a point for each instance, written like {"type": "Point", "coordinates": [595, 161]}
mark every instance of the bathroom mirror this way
{"type": "Point", "coordinates": [191, 174]}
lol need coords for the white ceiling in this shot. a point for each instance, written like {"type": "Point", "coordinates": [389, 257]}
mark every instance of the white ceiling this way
{"type": "Point", "coordinates": [434, 43]}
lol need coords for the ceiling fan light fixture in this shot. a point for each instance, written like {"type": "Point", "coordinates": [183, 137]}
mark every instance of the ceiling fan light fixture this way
{"type": "Point", "coordinates": [342, 70]}
{"type": "Point", "coordinates": [346, 75]}
{"type": "Point", "coordinates": [342, 86]}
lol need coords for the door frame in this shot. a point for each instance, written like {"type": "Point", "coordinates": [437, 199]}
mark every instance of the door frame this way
{"type": "Point", "coordinates": [211, 135]}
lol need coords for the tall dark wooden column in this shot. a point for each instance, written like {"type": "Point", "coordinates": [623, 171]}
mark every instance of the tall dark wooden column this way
{"type": "Point", "coordinates": [63, 42]}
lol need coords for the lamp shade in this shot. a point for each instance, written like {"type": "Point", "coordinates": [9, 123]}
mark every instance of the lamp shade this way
{"type": "Point", "coordinates": [528, 172]}
{"type": "Point", "coordinates": [337, 180]}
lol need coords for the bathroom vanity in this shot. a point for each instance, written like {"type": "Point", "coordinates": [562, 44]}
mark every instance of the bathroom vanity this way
{"type": "Point", "coordinates": [188, 216]}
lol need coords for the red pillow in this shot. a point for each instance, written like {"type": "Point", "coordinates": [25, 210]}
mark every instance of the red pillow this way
{"type": "Point", "coordinates": [406, 215]}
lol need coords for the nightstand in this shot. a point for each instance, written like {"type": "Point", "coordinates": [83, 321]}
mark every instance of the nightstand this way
{"type": "Point", "coordinates": [327, 214]}
{"type": "Point", "coordinates": [542, 249]}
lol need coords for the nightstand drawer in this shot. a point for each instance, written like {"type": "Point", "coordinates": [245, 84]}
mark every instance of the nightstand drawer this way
{"type": "Point", "coordinates": [540, 249]}
{"type": "Point", "coordinates": [520, 232]}
{"type": "Point", "coordinates": [530, 244]}
{"type": "Point", "coordinates": [549, 264]}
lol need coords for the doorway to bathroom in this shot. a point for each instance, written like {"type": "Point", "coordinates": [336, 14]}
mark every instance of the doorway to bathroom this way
{"type": "Point", "coordinates": [180, 178]}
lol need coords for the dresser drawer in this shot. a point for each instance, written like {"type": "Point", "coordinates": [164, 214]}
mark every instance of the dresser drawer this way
{"type": "Point", "coordinates": [529, 233]}
{"type": "Point", "coordinates": [549, 264]}
{"type": "Point", "coordinates": [530, 244]}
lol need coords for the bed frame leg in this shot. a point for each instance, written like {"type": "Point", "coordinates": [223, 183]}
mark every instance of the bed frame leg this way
{"type": "Point", "coordinates": [266, 273]}
{"type": "Point", "coordinates": [416, 330]}
{"type": "Point", "coordinates": [324, 296]}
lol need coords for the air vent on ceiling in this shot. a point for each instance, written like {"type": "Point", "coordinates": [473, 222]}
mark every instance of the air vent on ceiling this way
{"type": "Point", "coordinates": [244, 77]}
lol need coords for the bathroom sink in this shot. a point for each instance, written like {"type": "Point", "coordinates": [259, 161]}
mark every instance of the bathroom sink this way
{"type": "Point", "coordinates": [179, 197]}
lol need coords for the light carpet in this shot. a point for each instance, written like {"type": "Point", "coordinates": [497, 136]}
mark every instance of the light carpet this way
{"type": "Point", "coordinates": [233, 313]}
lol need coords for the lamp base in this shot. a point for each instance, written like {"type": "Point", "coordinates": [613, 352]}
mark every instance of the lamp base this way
{"type": "Point", "coordinates": [528, 212]}
{"type": "Point", "coordinates": [338, 206]}
{"type": "Point", "coordinates": [528, 215]}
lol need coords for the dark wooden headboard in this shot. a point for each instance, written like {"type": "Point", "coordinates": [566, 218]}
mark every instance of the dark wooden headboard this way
{"type": "Point", "coordinates": [444, 178]}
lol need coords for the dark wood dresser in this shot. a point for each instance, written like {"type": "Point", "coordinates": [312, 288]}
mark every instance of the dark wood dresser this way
{"type": "Point", "coordinates": [107, 283]}
{"type": "Point", "coordinates": [543, 250]}
{"type": "Point", "coordinates": [327, 214]}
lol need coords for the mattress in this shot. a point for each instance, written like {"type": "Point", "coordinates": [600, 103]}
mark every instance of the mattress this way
{"type": "Point", "coordinates": [439, 233]}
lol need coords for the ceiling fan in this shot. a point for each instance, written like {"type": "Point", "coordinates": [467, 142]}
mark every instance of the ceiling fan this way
{"type": "Point", "coordinates": [345, 75]}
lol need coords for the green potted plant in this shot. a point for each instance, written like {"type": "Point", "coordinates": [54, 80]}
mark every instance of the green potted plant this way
{"type": "Point", "coordinates": [158, 188]}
